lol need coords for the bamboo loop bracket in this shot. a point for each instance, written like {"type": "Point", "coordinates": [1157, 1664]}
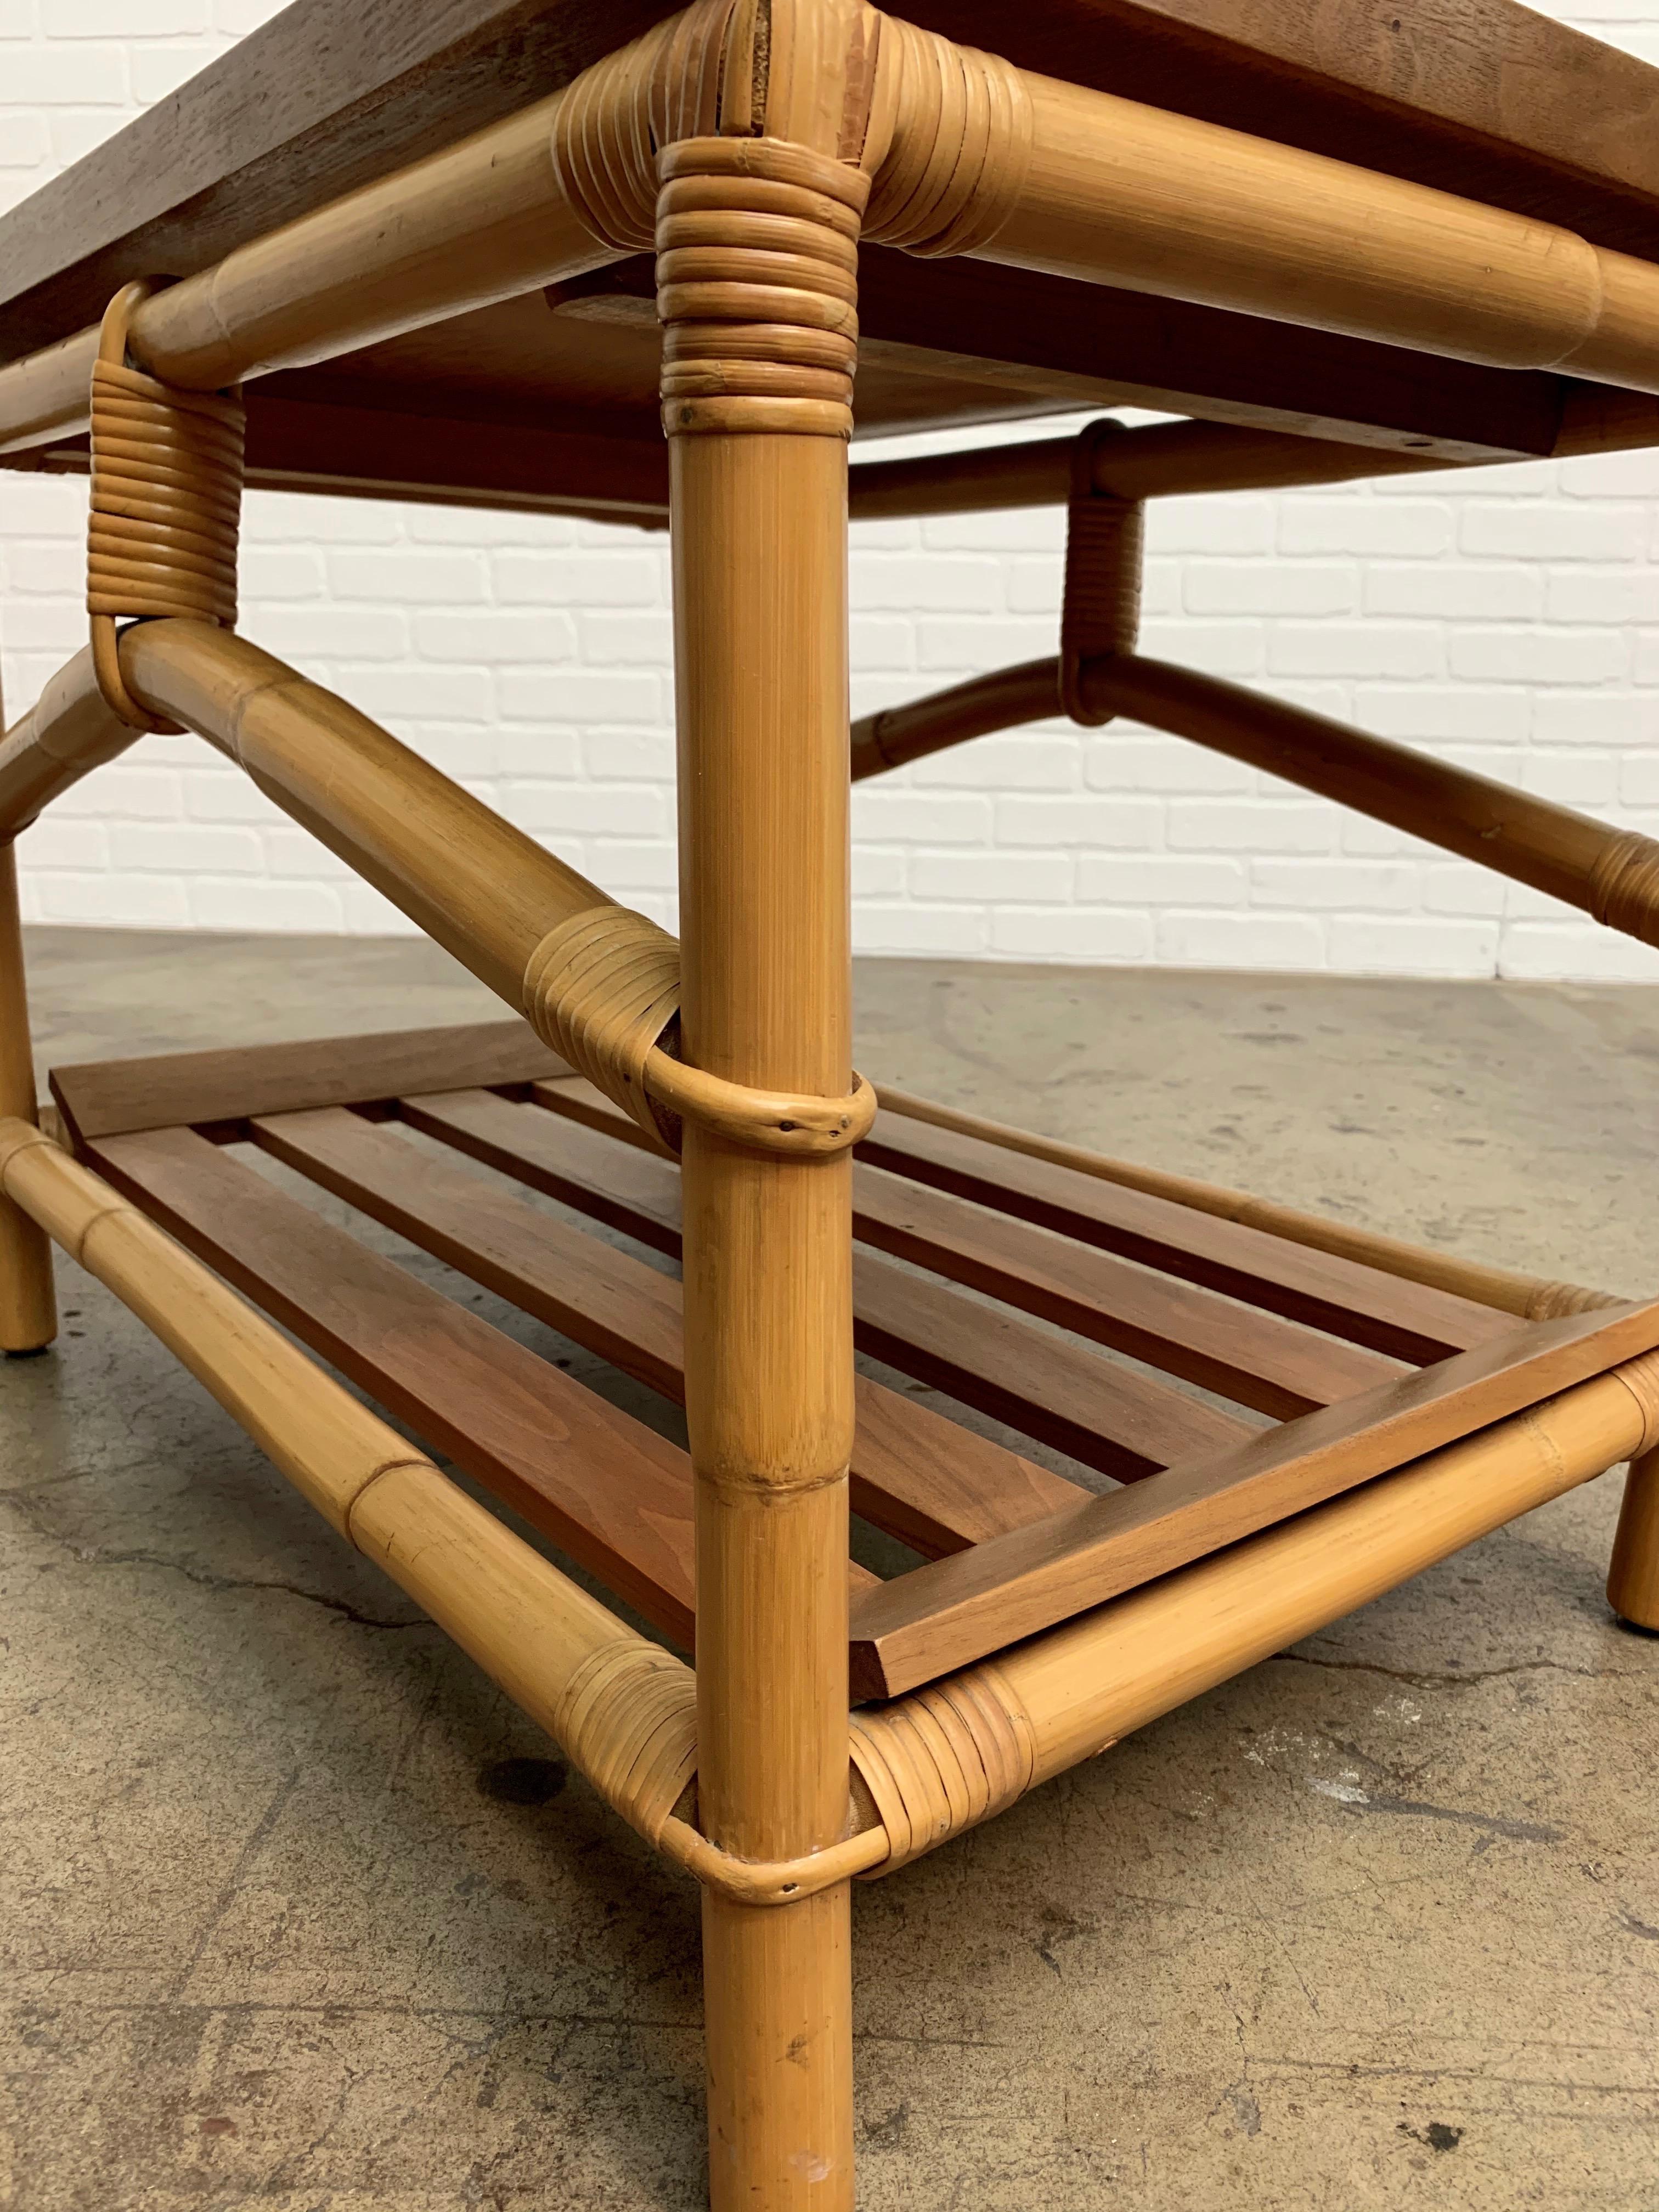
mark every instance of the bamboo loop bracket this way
{"type": "Point", "coordinates": [603, 989]}
{"type": "Point", "coordinates": [1105, 535]}
{"type": "Point", "coordinates": [166, 507]}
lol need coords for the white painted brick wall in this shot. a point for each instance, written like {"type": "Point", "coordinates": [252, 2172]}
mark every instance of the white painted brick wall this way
{"type": "Point", "coordinates": [1510, 622]}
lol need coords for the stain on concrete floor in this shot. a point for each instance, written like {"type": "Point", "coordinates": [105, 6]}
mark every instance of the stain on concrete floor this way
{"type": "Point", "coordinates": [296, 1912]}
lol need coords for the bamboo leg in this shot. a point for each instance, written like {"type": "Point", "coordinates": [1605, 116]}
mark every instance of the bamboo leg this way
{"type": "Point", "coordinates": [29, 1311]}
{"type": "Point", "coordinates": [1634, 1575]}
{"type": "Point", "coordinates": [759, 524]}
{"type": "Point", "coordinates": [759, 597]}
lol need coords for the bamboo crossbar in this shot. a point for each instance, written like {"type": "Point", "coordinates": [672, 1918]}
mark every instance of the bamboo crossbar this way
{"type": "Point", "coordinates": [483, 890]}
{"type": "Point", "coordinates": [69, 732]}
{"type": "Point", "coordinates": [1611, 874]}
{"type": "Point", "coordinates": [1173, 460]}
{"type": "Point", "coordinates": [1158, 460]}
{"type": "Point", "coordinates": [1073, 182]}
{"type": "Point", "coordinates": [550, 943]}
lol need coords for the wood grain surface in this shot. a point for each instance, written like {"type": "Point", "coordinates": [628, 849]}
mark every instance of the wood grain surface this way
{"type": "Point", "coordinates": [922, 1478]}
{"type": "Point", "coordinates": [107, 1098]}
{"type": "Point", "coordinates": [1409, 1321]}
{"type": "Point", "coordinates": [606, 1489]}
{"type": "Point", "coordinates": [1107, 1416]}
{"type": "Point", "coordinates": [952, 1611]}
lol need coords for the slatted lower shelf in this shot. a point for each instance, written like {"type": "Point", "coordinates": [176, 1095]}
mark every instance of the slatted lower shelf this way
{"type": "Point", "coordinates": [1356, 1370]}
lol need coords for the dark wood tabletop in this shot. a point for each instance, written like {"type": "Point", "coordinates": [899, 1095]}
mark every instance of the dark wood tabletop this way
{"type": "Point", "coordinates": [1480, 97]}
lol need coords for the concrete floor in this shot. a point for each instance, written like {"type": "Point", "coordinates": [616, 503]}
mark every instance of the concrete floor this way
{"type": "Point", "coordinates": [1376, 1925]}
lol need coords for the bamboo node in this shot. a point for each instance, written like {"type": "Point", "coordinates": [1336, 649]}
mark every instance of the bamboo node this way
{"type": "Point", "coordinates": [1100, 611]}
{"type": "Point", "coordinates": [757, 287]}
{"type": "Point", "coordinates": [628, 1719]}
{"type": "Point", "coordinates": [952, 171]}
{"type": "Point", "coordinates": [1624, 886]}
{"type": "Point", "coordinates": [167, 493]}
{"type": "Point", "coordinates": [944, 1759]}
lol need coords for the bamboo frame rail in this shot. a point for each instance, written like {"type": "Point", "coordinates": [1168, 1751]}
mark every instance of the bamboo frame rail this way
{"type": "Point", "coordinates": [1112, 192]}
{"type": "Point", "coordinates": [1611, 874]}
{"type": "Point", "coordinates": [1155, 460]}
{"type": "Point", "coordinates": [1091, 1681]}
{"type": "Point", "coordinates": [623, 1708]}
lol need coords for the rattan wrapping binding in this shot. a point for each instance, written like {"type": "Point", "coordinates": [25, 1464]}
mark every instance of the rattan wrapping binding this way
{"type": "Point", "coordinates": [628, 1717]}
{"type": "Point", "coordinates": [166, 511]}
{"type": "Point", "coordinates": [757, 287]}
{"type": "Point", "coordinates": [602, 988]}
{"type": "Point", "coordinates": [954, 150]}
{"type": "Point", "coordinates": [1624, 888]}
{"type": "Point", "coordinates": [1101, 613]}
{"type": "Point", "coordinates": [944, 1759]}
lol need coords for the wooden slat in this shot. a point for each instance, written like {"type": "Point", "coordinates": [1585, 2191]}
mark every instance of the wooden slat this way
{"type": "Point", "coordinates": [603, 1486]}
{"type": "Point", "coordinates": [1410, 1321]}
{"type": "Point", "coordinates": [106, 1099]}
{"type": "Point", "coordinates": [920, 1477]}
{"type": "Point", "coordinates": [1111, 1418]}
{"type": "Point", "coordinates": [945, 1615]}
{"type": "Point", "coordinates": [1277, 1366]}
{"type": "Point", "coordinates": [1123, 1423]}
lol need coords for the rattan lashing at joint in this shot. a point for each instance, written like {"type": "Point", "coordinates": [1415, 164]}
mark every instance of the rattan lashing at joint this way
{"type": "Point", "coordinates": [165, 512]}
{"type": "Point", "coordinates": [1100, 614]}
{"type": "Point", "coordinates": [757, 287]}
{"type": "Point", "coordinates": [602, 989]}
